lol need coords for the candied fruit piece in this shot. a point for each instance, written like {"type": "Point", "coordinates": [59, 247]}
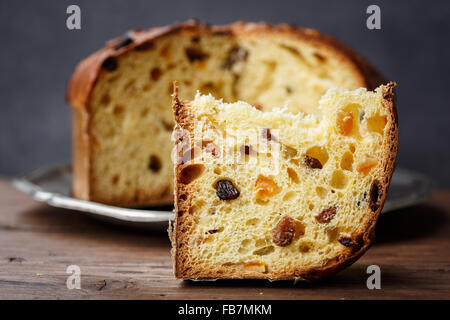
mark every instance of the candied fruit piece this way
{"type": "Point", "coordinates": [265, 187]}
{"type": "Point", "coordinates": [377, 123]}
{"type": "Point", "coordinates": [226, 190]}
{"type": "Point", "coordinates": [344, 122]}
{"type": "Point", "coordinates": [348, 120]}
{"type": "Point", "coordinates": [366, 164]}
{"type": "Point", "coordinates": [284, 231]}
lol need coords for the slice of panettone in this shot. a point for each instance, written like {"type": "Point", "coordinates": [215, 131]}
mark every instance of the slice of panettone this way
{"type": "Point", "coordinates": [273, 195]}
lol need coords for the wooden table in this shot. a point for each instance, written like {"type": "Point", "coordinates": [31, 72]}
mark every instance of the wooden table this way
{"type": "Point", "coordinates": [39, 242]}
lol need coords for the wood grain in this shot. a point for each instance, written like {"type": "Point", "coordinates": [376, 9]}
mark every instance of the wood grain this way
{"type": "Point", "coordinates": [39, 242]}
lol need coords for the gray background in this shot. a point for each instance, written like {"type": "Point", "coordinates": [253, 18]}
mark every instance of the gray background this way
{"type": "Point", "coordinates": [38, 55]}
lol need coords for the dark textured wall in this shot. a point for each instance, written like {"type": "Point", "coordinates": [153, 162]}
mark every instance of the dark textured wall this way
{"type": "Point", "coordinates": [38, 55]}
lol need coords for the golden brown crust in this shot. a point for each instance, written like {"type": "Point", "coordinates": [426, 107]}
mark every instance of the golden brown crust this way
{"type": "Point", "coordinates": [182, 193]}
{"type": "Point", "coordinates": [88, 72]}
{"type": "Point", "coordinates": [81, 154]}
{"type": "Point", "coordinates": [183, 198]}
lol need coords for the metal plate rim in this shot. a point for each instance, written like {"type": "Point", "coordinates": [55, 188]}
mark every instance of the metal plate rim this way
{"type": "Point", "coordinates": [25, 184]}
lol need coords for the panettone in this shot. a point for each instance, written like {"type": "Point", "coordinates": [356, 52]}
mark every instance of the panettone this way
{"type": "Point", "coordinates": [122, 118]}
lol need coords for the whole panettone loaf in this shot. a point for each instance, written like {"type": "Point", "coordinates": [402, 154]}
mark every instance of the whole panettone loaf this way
{"type": "Point", "coordinates": [120, 95]}
{"type": "Point", "coordinates": [273, 195]}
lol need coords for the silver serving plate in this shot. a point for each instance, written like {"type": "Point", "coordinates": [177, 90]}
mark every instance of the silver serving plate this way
{"type": "Point", "coordinates": [53, 185]}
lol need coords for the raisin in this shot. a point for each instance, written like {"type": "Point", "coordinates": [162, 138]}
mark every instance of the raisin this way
{"type": "Point", "coordinates": [154, 163]}
{"type": "Point", "coordinates": [155, 74]}
{"type": "Point", "coordinates": [123, 43]}
{"type": "Point", "coordinates": [212, 231]}
{"type": "Point", "coordinates": [284, 231]}
{"type": "Point", "coordinates": [226, 190]}
{"type": "Point", "coordinates": [374, 195]}
{"type": "Point", "coordinates": [246, 150]}
{"type": "Point", "coordinates": [348, 242]}
{"type": "Point", "coordinates": [326, 215]}
{"type": "Point", "coordinates": [267, 134]}
{"type": "Point", "coordinates": [194, 54]}
{"type": "Point", "coordinates": [110, 64]}
{"type": "Point", "coordinates": [236, 54]}
{"type": "Point", "coordinates": [313, 163]}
